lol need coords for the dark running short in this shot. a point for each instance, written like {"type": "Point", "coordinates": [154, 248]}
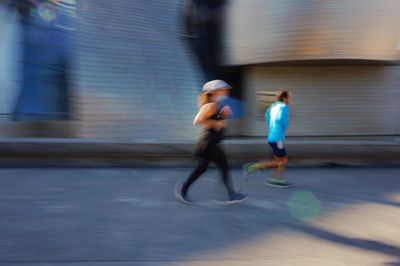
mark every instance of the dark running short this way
{"type": "Point", "coordinates": [280, 153]}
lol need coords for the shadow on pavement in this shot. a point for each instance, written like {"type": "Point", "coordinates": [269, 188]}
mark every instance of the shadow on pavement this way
{"type": "Point", "coordinates": [370, 245]}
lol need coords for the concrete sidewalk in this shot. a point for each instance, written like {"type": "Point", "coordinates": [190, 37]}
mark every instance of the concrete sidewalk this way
{"type": "Point", "coordinates": [302, 151]}
{"type": "Point", "coordinates": [129, 216]}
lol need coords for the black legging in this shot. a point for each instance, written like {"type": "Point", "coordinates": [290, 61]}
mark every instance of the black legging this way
{"type": "Point", "coordinates": [213, 153]}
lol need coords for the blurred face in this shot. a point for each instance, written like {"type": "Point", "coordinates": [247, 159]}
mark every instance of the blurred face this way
{"type": "Point", "coordinates": [221, 92]}
{"type": "Point", "coordinates": [287, 100]}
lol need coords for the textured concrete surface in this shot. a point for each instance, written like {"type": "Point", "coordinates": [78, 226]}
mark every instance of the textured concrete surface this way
{"type": "Point", "coordinates": [129, 216]}
{"type": "Point", "coordinates": [97, 152]}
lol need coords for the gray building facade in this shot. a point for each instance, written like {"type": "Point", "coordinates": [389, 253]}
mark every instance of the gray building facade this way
{"type": "Point", "coordinates": [340, 60]}
{"type": "Point", "coordinates": [132, 76]}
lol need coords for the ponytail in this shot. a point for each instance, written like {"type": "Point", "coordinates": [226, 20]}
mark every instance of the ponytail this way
{"type": "Point", "coordinates": [204, 98]}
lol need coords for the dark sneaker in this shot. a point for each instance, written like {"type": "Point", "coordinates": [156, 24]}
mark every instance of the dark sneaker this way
{"type": "Point", "coordinates": [249, 168]}
{"type": "Point", "coordinates": [180, 196]}
{"type": "Point", "coordinates": [237, 197]}
{"type": "Point", "coordinates": [185, 199]}
{"type": "Point", "coordinates": [278, 183]}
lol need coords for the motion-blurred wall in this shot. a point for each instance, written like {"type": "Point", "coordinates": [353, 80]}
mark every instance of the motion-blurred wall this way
{"type": "Point", "coordinates": [133, 76]}
{"type": "Point", "coordinates": [340, 60]}
{"type": "Point", "coordinates": [10, 61]}
{"type": "Point", "coordinates": [265, 31]}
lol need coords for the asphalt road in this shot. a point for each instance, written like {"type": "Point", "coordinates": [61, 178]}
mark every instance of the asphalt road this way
{"type": "Point", "coordinates": [129, 216]}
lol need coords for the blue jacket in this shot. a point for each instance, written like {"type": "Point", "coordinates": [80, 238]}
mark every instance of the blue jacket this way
{"type": "Point", "coordinates": [277, 118]}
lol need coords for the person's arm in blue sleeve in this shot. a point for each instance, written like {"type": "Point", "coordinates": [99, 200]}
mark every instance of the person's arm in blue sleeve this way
{"type": "Point", "coordinates": [285, 117]}
{"type": "Point", "coordinates": [267, 116]}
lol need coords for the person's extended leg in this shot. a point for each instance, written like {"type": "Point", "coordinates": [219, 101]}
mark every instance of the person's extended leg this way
{"type": "Point", "coordinates": [278, 173]}
{"type": "Point", "coordinates": [220, 159]}
{"type": "Point", "coordinates": [201, 167]}
{"type": "Point", "coordinates": [262, 165]}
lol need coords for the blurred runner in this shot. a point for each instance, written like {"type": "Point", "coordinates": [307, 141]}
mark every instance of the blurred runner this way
{"type": "Point", "coordinates": [277, 119]}
{"type": "Point", "coordinates": [212, 117]}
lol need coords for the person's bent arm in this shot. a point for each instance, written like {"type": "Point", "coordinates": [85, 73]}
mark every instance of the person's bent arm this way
{"type": "Point", "coordinates": [203, 117]}
{"type": "Point", "coordinates": [285, 118]}
{"type": "Point", "coordinates": [268, 116]}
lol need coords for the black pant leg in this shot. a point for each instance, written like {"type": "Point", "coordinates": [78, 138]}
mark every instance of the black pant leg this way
{"type": "Point", "coordinates": [219, 158]}
{"type": "Point", "coordinates": [201, 167]}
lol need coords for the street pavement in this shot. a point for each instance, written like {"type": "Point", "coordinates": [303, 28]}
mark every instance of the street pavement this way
{"type": "Point", "coordinates": [129, 216]}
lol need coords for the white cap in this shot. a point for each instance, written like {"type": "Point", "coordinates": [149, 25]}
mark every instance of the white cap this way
{"type": "Point", "coordinates": [214, 85]}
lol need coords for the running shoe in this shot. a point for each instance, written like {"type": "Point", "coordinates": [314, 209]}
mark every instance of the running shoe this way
{"type": "Point", "coordinates": [180, 196]}
{"type": "Point", "coordinates": [273, 182]}
{"type": "Point", "coordinates": [237, 198]}
{"type": "Point", "coordinates": [250, 168]}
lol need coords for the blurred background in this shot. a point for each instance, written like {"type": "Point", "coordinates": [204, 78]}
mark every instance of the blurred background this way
{"type": "Point", "coordinates": [132, 70]}
{"type": "Point", "coordinates": [105, 84]}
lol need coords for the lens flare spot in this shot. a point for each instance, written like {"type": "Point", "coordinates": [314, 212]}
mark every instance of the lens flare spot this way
{"type": "Point", "coordinates": [304, 205]}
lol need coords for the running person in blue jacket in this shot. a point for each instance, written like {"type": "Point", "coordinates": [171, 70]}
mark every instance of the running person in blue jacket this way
{"type": "Point", "coordinates": [277, 120]}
